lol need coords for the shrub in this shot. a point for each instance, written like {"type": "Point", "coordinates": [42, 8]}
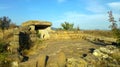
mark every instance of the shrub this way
{"type": "Point", "coordinates": [116, 56]}
{"type": "Point", "coordinates": [4, 22]}
{"type": "Point", "coordinates": [3, 56]}
{"type": "Point", "coordinates": [2, 47]}
{"type": "Point", "coordinates": [3, 53]}
{"type": "Point", "coordinates": [67, 26]}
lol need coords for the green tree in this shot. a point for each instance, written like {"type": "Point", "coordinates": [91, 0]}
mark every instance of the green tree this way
{"type": "Point", "coordinates": [112, 20]}
{"type": "Point", "coordinates": [78, 28]}
{"type": "Point", "coordinates": [114, 27]}
{"type": "Point", "coordinates": [4, 23]}
{"type": "Point", "coordinates": [67, 26]}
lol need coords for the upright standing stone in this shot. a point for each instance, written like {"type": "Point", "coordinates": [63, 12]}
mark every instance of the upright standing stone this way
{"type": "Point", "coordinates": [61, 59]}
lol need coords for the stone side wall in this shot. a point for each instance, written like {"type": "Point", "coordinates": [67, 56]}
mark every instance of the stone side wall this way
{"type": "Point", "coordinates": [67, 35]}
{"type": "Point", "coordinates": [44, 34]}
{"type": "Point", "coordinates": [77, 35]}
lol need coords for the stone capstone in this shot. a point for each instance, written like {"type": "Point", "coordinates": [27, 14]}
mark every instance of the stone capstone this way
{"type": "Point", "coordinates": [34, 22]}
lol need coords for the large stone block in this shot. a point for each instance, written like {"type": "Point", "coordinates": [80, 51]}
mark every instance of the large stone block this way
{"type": "Point", "coordinates": [42, 60]}
{"type": "Point", "coordinates": [44, 34]}
{"type": "Point", "coordinates": [52, 62]}
{"type": "Point", "coordinates": [61, 59]}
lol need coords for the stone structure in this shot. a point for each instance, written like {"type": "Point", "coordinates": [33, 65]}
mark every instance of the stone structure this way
{"type": "Point", "coordinates": [14, 45]}
{"type": "Point", "coordinates": [42, 28]}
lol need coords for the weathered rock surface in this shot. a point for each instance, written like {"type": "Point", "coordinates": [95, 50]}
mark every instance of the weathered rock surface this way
{"type": "Point", "coordinates": [104, 52]}
{"type": "Point", "coordinates": [44, 34]}
{"type": "Point", "coordinates": [61, 59]}
{"type": "Point", "coordinates": [109, 55]}
{"type": "Point", "coordinates": [72, 62]}
{"type": "Point", "coordinates": [14, 64]}
{"type": "Point", "coordinates": [74, 54]}
{"type": "Point", "coordinates": [42, 60]}
{"type": "Point", "coordinates": [34, 22]}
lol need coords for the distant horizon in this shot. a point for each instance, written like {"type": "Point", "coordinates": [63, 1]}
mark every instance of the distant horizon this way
{"type": "Point", "coordinates": [59, 26]}
{"type": "Point", "coordinates": [88, 14]}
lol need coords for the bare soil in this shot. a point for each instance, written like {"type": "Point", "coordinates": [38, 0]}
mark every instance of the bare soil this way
{"type": "Point", "coordinates": [71, 48]}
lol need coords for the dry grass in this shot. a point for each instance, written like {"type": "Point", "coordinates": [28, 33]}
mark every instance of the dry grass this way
{"type": "Point", "coordinates": [29, 52]}
{"type": "Point", "coordinates": [116, 56]}
{"type": "Point", "coordinates": [7, 35]}
{"type": "Point", "coordinates": [33, 49]}
{"type": "Point", "coordinates": [99, 33]}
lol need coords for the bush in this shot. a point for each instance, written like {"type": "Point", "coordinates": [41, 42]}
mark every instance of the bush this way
{"type": "Point", "coordinates": [116, 33]}
{"type": "Point", "coordinates": [3, 53]}
{"type": "Point", "coordinates": [2, 47]}
{"type": "Point", "coordinates": [3, 56]}
{"type": "Point", "coordinates": [67, 26]}
{"type": "Point", "coordinates": [5, 22]}
{"type": "Point", "coordinates": [116, 56]}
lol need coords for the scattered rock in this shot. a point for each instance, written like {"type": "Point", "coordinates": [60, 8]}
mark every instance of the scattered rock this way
{"type": "Point", "coordinates": [104, 52]}
{"type": "Point", "coordinates": [109, 49]}
{"type": "Point", "coordinates": [84, 55]}
{"type": "Point", "coordinates": [99, 54]}
{"type": "Point", "coordinates": [91, 60]}
{"type": "Point", "coordinates": [72, 62]}
{"type": "Point", "coordinates": [108, 56]}
{"type": "Point", "coordinates": [91, 50]}
{"type": "Point", "coordinates": [14, 64]}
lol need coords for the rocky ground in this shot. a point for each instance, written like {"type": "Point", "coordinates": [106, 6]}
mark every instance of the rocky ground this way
{"type": "Point", "coordinates": [67, 53]}
{"type": "Point", "coordinates": [71, 48]}
{"type": "Point", "coordinates": [73, 53]}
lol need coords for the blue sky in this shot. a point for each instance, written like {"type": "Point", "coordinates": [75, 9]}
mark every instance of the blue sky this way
{"type": "Point", "coordinates": [87, 14]}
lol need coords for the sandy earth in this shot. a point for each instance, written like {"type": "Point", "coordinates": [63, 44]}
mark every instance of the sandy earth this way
{"type": "Point", "coordinates": [77, 49]}
{"type": "Point", "coordinates": [71, 48]}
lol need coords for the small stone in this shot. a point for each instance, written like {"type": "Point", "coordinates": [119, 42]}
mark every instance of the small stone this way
{"type": "Point", "coordinates": [97, 53]}
{"type": "Point", "coordinates": [105, 50]}
{"type": "Point", "coordinates": [72, 62]}
{"type": "Point", "coordinates": [14, 64]}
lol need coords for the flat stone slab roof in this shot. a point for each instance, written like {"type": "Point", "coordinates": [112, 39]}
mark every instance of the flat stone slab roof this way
{"type": "Point", "coordinates": [35, 22]}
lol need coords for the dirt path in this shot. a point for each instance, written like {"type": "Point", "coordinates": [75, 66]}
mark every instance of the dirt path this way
{"type": "Point", "coordinates": [72, 48]}
{"type": "Point", "coordinates": [76, 51]}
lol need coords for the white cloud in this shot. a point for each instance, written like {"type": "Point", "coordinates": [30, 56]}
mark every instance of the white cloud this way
{"type": "Point", "coordinates": [95, 7]}
{"type": "Point", "coordinates": [114, 5]}
{"type": "Point", "coordinates": [85, 21]}
{"type": "Point", "coordinates": [61, 1]}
